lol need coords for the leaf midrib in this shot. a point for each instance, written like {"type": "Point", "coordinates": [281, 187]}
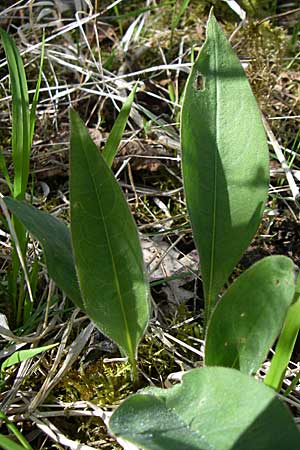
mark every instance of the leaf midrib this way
{"type": "Point", "coordinates": [213, 243]}
{"type": "Point", "coordinates": [116, 278]}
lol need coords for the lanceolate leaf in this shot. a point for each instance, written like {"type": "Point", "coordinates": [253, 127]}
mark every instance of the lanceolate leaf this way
{"type": "Point", "coordinates": [23, 355]}
{"type": "Point", "coordinates": [214, 408]}
{"type": "Point", "coordinates": [107, 251]}
{"type": "Point", "coordinates": [224, 158]}
{"type": "Point", "coordinates": [55, 238]}
{"type": "Point", "coordinates": [250, 315]}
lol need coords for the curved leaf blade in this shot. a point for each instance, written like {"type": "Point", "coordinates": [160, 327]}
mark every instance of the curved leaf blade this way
{"type": "Point", "coordinates": [21, 120]}
{"type": "Point", "coordinates": [249, 316]}
{"type": "Point", "coordinates": [8, 444]}
{"type": "Point", "coordinates": [55, 238]}
{"type": "Point", "coordinates": [213, 408]}
{"type": "Point", "coordinates": [285, 345]}
{"type": "Point", "coordinates": [224, 160]}
{"type": "Point", "coordinates": [22, 355]}
{"type": "Point", "coordinates": [111, 147]}
{"type": "Point", "coordinates": [107, 251]}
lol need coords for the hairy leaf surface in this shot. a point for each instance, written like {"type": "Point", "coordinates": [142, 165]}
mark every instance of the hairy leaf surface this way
{"type": "Point", "coordinates": [214, 408]}
{"type": "Point", "coordinates": [224, 159]}
{"type": "Point", "coordinates": [249, 316]}
{"type": "Point", "coordinates": [106, 246]}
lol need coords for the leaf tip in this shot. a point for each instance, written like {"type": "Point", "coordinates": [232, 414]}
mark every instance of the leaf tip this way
{"type": "Point", "coordinates": [73, 115]}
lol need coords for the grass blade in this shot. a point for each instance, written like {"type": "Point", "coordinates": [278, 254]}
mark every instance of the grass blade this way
{"type": "Point", "coordinates": [116, 133]}
{"type": "Point", "coordinates": [8, 444]}
{"type": "Point", "coordinates": [14, 430]}
{"type": "Point", "coordinates": [285, 345]}
{"type": "Point", "coordinates": [35, 100]}
{"type": "Point", "coordinates": [20, 154]}
{"type": "Point", "coordinates": [20, 119]}
{"type": "Point", "coordinates": [176, 17]}
{"type": "Point", "coordinates": [3, 169]}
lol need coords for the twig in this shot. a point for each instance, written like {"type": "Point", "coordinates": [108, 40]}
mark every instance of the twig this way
{"type": "Point", "coordinates": [280, 156]}
{"type": "Point", "coordinates": [17, 244]}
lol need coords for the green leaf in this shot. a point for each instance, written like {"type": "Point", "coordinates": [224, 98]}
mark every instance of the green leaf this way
{"type": "Point", "coordinates": [55, 238]}
{"type": "Point", "coordinates": [32, 116]}
{"type": "Point", "coordinates": [33, 279]}
{"type": "Point", "coordinates": [20, 116]}
{"type": "Point", "coordinates": [20, 155]}
{"type": "Point", "coordinates": [214, 408]}
{"type": "Point", "coordinates": [8, 444]}
{"type": "Point", "coordinates": [115, 135]}
{"type": "Point", "coordinates": [249, 316]}
{"type": "Point", "coordinates": [285, 344]}
{"type": "Point", "coordinates": [176, 17]}
{"type": "Point", "coordinates": [224, 159]}
{"type": "Point", "coordinates": [22, 355]}
{"type": "Point", "coordinates": [4, 170]}
{"type": "Point", "coordinates": [107, 252]}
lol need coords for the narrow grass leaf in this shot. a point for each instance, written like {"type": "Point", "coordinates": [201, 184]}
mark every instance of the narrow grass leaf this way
{"type": "Point", "coordinates": [7, 444]}
{"type": "Point", "coordinates": [116, 133]}
{"type": "Point", "coordinates": [20, 117]}
{"type": "Point", "coordinates": [249, 316]}
{"type": "Point", "coordinates": [4, 170]}
{"type": "Point", "coordinates": [224, 160]}
{"type": "Point", "coordinates": [284, 348]}
{"type": "Point", "coordinates": [23, 355]}
{"type": "Point", "coordinates": [195, 415]}
{"type": "Point", "coordinates": [20, 156]}
{"type": "Point", "coordinates": [55, 238]}
{"type": "Point", "coordinates": [15, 431]}
{"type": "Point", "coordinates": [28, 306]}
{"type": "Point", "coordinates": [35, 100]}
{"type": "Point", "coordinates": [176, 17]}
{"type": "Point", "coordinates": [286, 343]}
{"type": "Point", "coordinates": [107, 251]}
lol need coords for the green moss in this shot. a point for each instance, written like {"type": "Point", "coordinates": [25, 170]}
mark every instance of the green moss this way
{"type": "Point", "coordinates": [105, 384]}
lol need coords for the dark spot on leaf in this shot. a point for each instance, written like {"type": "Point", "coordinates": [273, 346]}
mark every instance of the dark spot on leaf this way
{"type": "Point", "coordinates": [199, 83]}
